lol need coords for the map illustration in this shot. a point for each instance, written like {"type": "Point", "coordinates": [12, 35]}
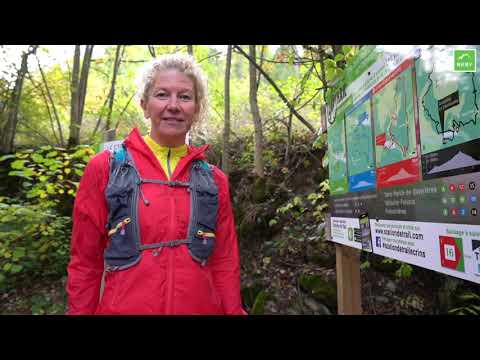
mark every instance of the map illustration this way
{"type": "Point", "coordinates": [361, 163]}
{"type": "Point", "coordinates": [449, 114]}
{"type": "Point", "coordinates": [395, 138]}
{"type": "Point", "coordinates": [337, 156]}
{"type": "Point", "coordinates": [449, 103]}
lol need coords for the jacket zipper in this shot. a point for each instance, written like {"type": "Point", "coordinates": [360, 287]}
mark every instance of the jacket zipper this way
{"type": "Point", "coordinates": [168, 165]}
{"type": "Point", "coordinates": [171, 252]}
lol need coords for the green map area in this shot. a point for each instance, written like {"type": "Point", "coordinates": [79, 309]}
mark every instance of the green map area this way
{"type": "Point", "coordinates": [394, 120]}
{"type": "Point", "coordinates": [337, 156]}
{"type": "Point", "coordinates": [448, 101]}
{"type": "Point", "coordinates": [359, 139]}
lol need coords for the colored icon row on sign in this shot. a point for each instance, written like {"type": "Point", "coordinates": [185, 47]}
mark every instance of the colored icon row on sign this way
{"type": "Point", "coordinates": [461, 187]}
{"type": "Point", "coordinates": [461, 199]}
{"type": "Point", "coordinates": [459, 212]}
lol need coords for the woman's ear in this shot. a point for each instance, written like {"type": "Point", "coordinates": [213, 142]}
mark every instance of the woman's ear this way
{"type": "Point", "coordinates": [143, 104]}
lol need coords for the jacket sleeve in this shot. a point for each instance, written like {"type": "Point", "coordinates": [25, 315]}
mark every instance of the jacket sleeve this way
{"type": "Point", "coordinates": [225, 260]}
{"type": "Point", "coordinates": [85, 269]}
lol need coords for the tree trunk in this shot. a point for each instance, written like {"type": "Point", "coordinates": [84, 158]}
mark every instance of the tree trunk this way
{"type": "Point", "coordinates": [116, 65]}
{"type": "Point", "coordinates": [190, 49]}
{"type": "Point", "coordinates": [74, 96]}
{"type": "Point", "coordinates": [257, 121]}
{"type": "Point", "coordinates": [83, 81]}
{"type": "Point", "coordinates": [289, 138]}
{"type": "Point", "coordinates": [279, 92]}
{"type": "Point", "coordinates": [79, 90]}
{"type": "Point", "coordinates": [8, 132]}
{"type": "Point", "coordinates": [226, 129]}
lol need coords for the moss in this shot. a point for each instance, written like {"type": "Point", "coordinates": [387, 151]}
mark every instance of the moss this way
{"type": "Point", "coordinates": [320, 289]}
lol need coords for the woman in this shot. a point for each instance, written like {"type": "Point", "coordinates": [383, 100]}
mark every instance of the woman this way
{"type": "Point", "coordinates": [182, 256]}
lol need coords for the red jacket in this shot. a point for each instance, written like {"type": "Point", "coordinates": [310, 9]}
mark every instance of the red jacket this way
{"type": "Point", "coordinates": [168, 282]}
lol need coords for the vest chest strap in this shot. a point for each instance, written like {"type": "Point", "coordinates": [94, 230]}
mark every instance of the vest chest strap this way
{"type": "Point", "coordinates": [164, 244]}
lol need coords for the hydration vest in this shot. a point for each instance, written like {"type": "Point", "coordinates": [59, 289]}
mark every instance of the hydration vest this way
{"type": "Point", "coordinates": [123, 195]}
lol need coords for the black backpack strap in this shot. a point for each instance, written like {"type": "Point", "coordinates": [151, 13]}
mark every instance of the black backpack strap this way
{"type": "Point", "coordinates": [203, 211]}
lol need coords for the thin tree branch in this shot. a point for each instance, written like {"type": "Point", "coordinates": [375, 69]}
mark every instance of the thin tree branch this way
{"type": "Point", "coordinates": [151, 50]}
{"type": "Point", "coordinates": [39, 87]}
{"type": "Point", "coordinates": [49, 95]}
{"type": "Point", "coordinates": [124, 109]}
{"type": "Point", "coordinates": [208, 57]}
{"type": "Point", "coordinates": [279, 92]}
{"type": "Point", "coordinates": [26, 124]}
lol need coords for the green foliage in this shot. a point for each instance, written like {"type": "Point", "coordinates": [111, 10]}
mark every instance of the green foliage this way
{"type": "Point", "coordinates": [404, 271]}
{"type": "Point", "coordinates": [34, 234]}
{"type": "Point", "coordinates": [34, 240]}
{"type": "Point", "coordinates": [319, 288]}
{"type": "Point", "coordinates": [254, 298]}
{"type": "Point", "coordinates": [43, 304]}
{"type": "Point", "coordinates": [53, 173]}
{"type": "Point", "coordinates": [468, 304]}
{"type": "Point", "coordinates": [258, 307]}
{"type": "Point", "coordinates": [365, 265]}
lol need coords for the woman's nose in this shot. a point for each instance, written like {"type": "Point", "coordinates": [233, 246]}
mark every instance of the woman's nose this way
{"type": "Point", "coordinates": [172, 103]}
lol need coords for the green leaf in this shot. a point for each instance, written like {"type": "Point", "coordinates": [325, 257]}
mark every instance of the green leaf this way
{"type": "Point", "coordinates": [329, 63]}
{"type": "Point", "coordinates": [20, 174]}
{"type": "Point", "coordinates": [346, 48]}
{"type": "Point", "coordinates": [339, 57]}
{"type": "Point", "coordinates": [365, 265]}
{"type": "Point", "coordinates": [52, 154]}
{"type": "Point", "coordinates": [38, 158]}
{"type": "Point", "coordinates": [47, 147]}
{"type": "Point", "coordinates": [5, 157]}
{"type": "Point", "coordinates": [469, 296]}
{"type": "Point", "coordinates": [79, 172]}
{"type": "Point", "coordinates": [325, 161]}
{"type": "Point", "coordinates": [330, 73]}
{"type": "Point", "coordinates": [28, 172]}
{"type": "Point", "coordinates": [18, 164]}
{"type": "Point", "coordinates": [272, 222]}
{"type": "Point", "coordinates": [18, 253]}
{"type": "Point", "coordinates": [259, 304]}
{"type": "Point", "coordinates": [16, 268]}
{"type": "Point", "coordinates": [7, 267]}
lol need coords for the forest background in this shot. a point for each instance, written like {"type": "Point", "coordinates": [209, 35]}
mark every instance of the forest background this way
{"type": "Point", "coordinates": [58, 103]}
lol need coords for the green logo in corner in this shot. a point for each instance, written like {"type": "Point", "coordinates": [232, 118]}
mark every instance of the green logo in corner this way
{"type": "Point", "coordinates": [465, 60]}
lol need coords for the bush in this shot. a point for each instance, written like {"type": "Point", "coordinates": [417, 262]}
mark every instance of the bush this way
{"type": "Point", "coordinates": [34, 241]}
{"type": "Point", "coordinates": [49, 174]}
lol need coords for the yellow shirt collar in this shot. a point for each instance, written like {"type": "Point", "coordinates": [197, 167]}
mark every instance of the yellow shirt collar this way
{"type": "Point", "coordinates": [160, 150]}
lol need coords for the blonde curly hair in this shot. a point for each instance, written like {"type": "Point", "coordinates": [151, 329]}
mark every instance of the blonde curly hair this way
{"type": "Point", "coordinates": [183, 63]}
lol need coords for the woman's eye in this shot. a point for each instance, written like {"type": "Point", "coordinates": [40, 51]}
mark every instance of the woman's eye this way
{"type": "Point", "coordinates": [186, 97]}
{"type": "Point", "coordinates": [161, 95]}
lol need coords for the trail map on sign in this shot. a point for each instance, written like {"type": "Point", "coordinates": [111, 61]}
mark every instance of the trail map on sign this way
{"type": "Point", "coordinates": [395, 138]}
{"type": "Point", "coordinates": [361, 163]}
{"type": "Point", "coordinates": [449, 102]}
{"type": "Point", "coordinates": [337, 157]}
{"type": "Point", "coordinates": [405, 157]}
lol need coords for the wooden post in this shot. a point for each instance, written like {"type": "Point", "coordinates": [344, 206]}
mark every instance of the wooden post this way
{"type": "Point", "coordinates": [349, 296]}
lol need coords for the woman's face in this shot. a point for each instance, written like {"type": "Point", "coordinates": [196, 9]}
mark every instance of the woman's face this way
{"type": "Point", "coordinates": [171, 107]}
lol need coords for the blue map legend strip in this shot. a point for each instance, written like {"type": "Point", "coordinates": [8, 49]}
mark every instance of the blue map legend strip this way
{"type": "Point", "coordinates": [359, 102]}
{"type": "Point", "coordinates": [362, 181]}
